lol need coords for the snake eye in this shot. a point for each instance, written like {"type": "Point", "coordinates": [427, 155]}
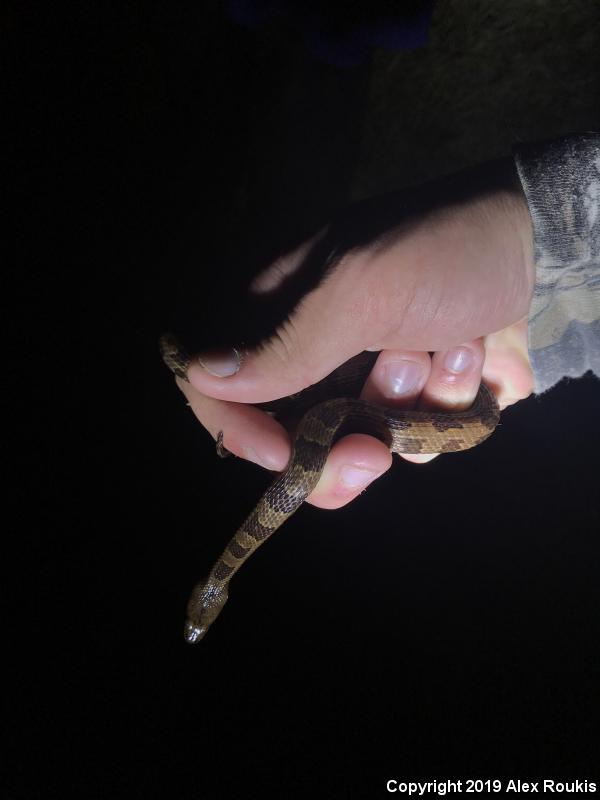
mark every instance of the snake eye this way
{"type": "Point", "coordinates": [192, 633]}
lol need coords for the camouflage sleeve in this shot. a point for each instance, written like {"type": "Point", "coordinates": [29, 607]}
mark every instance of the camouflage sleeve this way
{"type": "Point", "coordinates": [561, 181]}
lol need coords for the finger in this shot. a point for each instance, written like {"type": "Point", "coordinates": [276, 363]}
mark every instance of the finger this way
{"type": "Point", "coordinates": [455, 377]}
{"type": "Point", "coordinates": [248, 432]}
{"type": "Point", "coordinates": [397, 379]}
{"type": "Point", "coordinates": [288, 362]}
{"type": "Point", "coordinates": [354, 462]}
{"type": "Point", "coordinates": [252, 434]}
{"type": "Point", "coordinates": [507, 368]}
{"type": "Point", "coordinates": [453, 382]}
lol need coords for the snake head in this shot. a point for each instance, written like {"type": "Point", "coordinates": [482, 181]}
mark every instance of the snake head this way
{"type": "Point", "coordinates": [205, 605]}
{"type": "Point", "coordinates": [192, 632]}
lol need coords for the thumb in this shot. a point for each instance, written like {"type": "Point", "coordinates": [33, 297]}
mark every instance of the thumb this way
{"type": "Point", "coordinates": [330, 325]}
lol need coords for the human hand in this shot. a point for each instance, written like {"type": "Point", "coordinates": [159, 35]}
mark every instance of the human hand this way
{"type": "Point", "coordinates": [444, 297]}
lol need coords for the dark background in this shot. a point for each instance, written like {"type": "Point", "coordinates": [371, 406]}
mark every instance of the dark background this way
{"type": "Point", "coordinates": [445, 625]}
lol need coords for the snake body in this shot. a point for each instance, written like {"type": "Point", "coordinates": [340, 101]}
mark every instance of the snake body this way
{"type": "Point", "coordinates": [322, 423]}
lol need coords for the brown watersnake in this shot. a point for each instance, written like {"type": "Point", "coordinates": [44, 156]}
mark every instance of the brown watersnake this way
{"type": "Point", "coordinates": [330, 409]}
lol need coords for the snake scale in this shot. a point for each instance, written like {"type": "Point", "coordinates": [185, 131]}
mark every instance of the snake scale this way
{"type": "Point", "coordinates": [329, 409]}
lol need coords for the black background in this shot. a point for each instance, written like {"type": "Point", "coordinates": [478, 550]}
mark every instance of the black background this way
{"type": "Point", "coordinates": [445, 625]}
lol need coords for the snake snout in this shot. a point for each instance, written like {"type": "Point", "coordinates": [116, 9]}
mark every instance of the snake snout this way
{"type": "Point", "coordinates": [192, 632]}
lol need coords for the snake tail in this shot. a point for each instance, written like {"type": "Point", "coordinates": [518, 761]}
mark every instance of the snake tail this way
{"type": "Point", "coordinates": [174, 356]}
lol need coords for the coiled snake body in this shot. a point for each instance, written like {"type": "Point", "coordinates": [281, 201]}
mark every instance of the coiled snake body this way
{"type": "Point", "coordinates": [323, 422]}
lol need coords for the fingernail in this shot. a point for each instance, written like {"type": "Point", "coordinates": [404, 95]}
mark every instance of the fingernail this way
{"type": "Point", "coordinates": [458, 359]}
{"type": "Point", "coordinates": [353, 477]}
{"type": "Point", "coordinates": [420, 458]}
{"type": "Point", "coordinates": [221, 363]}
{"type": "Point", "coordinates": [401, 377]}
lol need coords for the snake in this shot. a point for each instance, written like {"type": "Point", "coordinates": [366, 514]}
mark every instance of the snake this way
{"type": "Point", "coordinates": [328, 410]}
